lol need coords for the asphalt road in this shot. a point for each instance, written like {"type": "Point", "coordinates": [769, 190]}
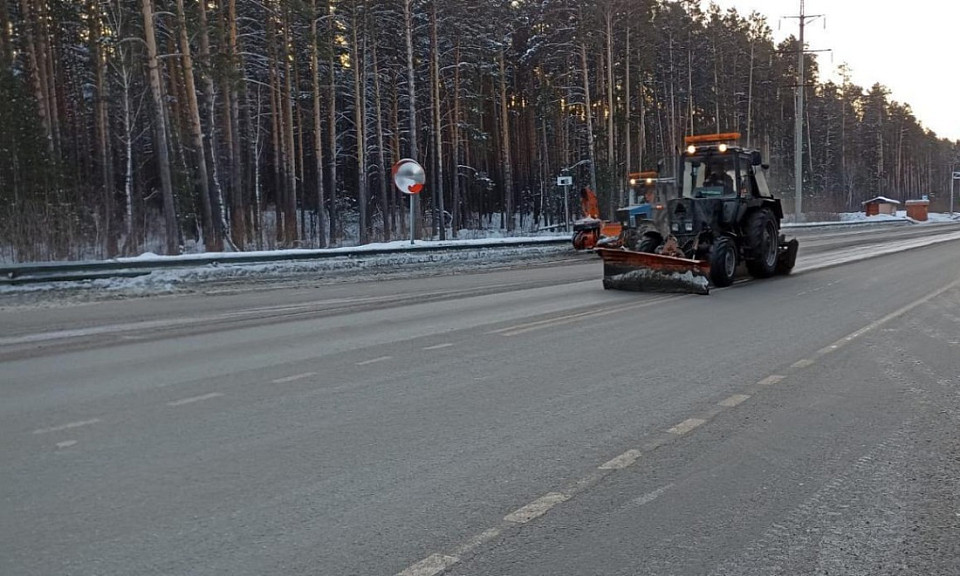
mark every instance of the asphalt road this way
{"type": "Point", "coordinates": [519, 421]}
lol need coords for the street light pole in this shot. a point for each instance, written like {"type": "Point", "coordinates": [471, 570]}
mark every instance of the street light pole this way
{"type": "Point", "coordinates": [566, 192]}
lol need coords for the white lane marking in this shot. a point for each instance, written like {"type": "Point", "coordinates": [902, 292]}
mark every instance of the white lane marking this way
{"type": "Point", "coordinates": [561, 320]}
{"type": "Point", "coordinates": [537, 508]}
{"type": "Point", "coordinates": [475, 542]}
{"type": "Point", "coordinates": [896, 313]}
{"type": "Point", "coordinates": [439, 346]}
{"type": "Point", "coordinates": [686, 426]}
{"type": "Point", "coordinates": [375, 360]}
{"type": "Point", "coordinates": [622, 461]}
{"type": "Point", "coordinates": [66, 443]}
{"type": "Point", "coordinates": [66, 426]}
{"type": "Point", "coordinates": [430, 566]}
{"type": "Point", "coordinates": [771, 380]}
{"type": "Point", "coordinates": [193, 399]}
{"type": "Point", "coordinates": [804, 363]}
{"type": "Point", "coordinates": [651, 496]}
{"type": "Point", "coordinates": [734, 400]}
{"type": "Point", "coordinates": [293, 378]}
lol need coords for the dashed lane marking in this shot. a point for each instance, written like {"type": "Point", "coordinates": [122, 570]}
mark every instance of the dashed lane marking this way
{"type": "Point", "coordinates": [294, 378]}
{"type": "Point", "coordinates": [537, 508]}
{"type": "Point", "coordinates": [622, 461]}
{"type": "Point", "coordinates": [686, 426]}
{"type": "Point", "coordinates": [374, 360]}
{"type": "Point", "coordinates": [67, 426]}
{"type": "Point", "coordinates": [430, 566]}
{"type": "Point", "coordinates": [650, 496]}
{"type": "Point", "coordinates": [66, 443]}
{"type": "Point", "coordinates": [771, 380]}
{"type": "Point", "coordinates": [804, 363]}
{"type": "Point", "coordinates": [193, 399]}
{"type": "Point", "coordinates": [439, 346]}
{"type": "Point", "coordinates": [734, 400]}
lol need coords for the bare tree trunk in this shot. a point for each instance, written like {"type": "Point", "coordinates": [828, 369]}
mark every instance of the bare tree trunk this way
{"type": "Point", "coordinates": [317, 131]}
{"type": "Point", "coordinates": [291, 235]}
{"type": "Point", "coordinates": [332, 134]}
{"type": "Point", "coordinates": [231, 98]}
{"type": "Point", "coordinates": [588, 114]}
{"type": "Point", "coordinates": [196, 132]}
{"type": "Point", "coordinates": [411, 91]}
{"type": "Point", "coordinates": [359, 126]}
{"type": "Point", "coordinates": [103, 132]}
{"type": "Point", "coordinates": [36, 72]}
{"type": "Point", "coordinates": [506, 159]}
{"type": "Point", "coordinates": [626, 98]}
{"type": "Point", "coordinates": [218, 207]}
{"type": "Point", "coordinates": [437, 126]}
{"type": "Point", "coordinates": [611, 148]}
{"type": "Point", "coordinates": [160, 128]}
{"type": "Point", "coordinates": [457, 216]}
{"type": "Point", "coordinates": [381, 157]}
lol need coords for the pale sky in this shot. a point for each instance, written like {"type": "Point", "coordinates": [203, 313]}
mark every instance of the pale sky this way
{"type": "Point", "coordinates": [912, 48]}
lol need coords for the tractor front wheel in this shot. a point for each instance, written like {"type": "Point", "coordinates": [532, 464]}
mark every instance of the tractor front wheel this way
{"type": "Point", "coordinates": [723, 262]}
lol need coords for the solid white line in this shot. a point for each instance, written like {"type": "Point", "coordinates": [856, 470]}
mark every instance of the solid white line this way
{"type": "Point", "coordinates": [439, 346]}
{"type": "Point", "coordinates": [293, 378]}
{"type": "Point", "coordinates": [67, 426]}
{"type": "Point", "coordinates": [375, 360]}
{"type": "Point", "coordinates": [430, 566]}
{"type": "Point", "coordinates": [537, 508]}
{"type": "Point", "coordinates": [561, 320]}
{"type": "Point", "coordinates": [66, 444]}
{"type": "Point", "coordinates": [194, 399]}
{"type": "Point", "coordinates": [734, 400]}
{"type": "Point", "coordinates": [622, 461]}
{"type": "Point", "coordinates": [686, 426]}
{"type": "Point", "coordinates": [771, 380]}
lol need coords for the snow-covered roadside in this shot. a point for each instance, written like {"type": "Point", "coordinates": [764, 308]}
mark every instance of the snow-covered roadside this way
{"type": "Point", "coordinates": [853, 218]}
{"type": "Point", "coordinates": [245, 276]}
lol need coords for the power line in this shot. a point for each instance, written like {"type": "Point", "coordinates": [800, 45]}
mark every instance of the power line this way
{"type": "Point", "coordinates": [803, 18]}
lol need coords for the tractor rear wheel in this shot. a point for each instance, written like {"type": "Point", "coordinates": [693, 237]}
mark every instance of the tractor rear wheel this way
{"type": "Point", "coordinates": [649, 244]}
{"type": "Point", "coordinates": [723, 262]}
{"type": "Point", "coordinates": [763, 243]}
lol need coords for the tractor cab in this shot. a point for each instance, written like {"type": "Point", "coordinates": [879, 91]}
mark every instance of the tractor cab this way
{"type": "Point", "coordinates": [714, 166]}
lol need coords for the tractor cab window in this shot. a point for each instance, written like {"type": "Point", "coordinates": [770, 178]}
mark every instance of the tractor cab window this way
{"type": "Point", "coordinates": [711, 177]}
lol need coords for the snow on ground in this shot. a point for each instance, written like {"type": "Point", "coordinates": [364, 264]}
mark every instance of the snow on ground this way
{"type": "Point", "coordinates": [846, 218]}
{"type": "Point", "coordinates": [224, 275]}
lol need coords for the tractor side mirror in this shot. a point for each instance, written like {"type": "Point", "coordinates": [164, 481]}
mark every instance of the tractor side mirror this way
{"type": "Point", "coordinates": [765, 166]}
{"type": "Point", "coordinates": [659, 166]}
{"type": "Point", "coordinates": [756, 159]}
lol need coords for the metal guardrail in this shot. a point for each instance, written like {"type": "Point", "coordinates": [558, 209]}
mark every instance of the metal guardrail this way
{"type": "Point", "coordinates": [12, 274]}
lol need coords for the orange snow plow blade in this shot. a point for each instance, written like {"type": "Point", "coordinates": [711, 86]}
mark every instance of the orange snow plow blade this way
{"type": "Point", "coordinates": [644, 272]}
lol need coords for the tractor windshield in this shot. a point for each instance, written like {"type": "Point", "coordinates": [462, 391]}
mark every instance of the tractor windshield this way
{"type": "Point", "coordinates": [709, 176]}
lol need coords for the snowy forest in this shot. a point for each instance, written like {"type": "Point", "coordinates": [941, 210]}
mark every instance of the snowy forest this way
{"type": "Point", "coordinates": [178, 125]}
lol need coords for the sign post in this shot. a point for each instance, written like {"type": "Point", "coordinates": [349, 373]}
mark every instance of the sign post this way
{"type": "Point", "coordinates": [566, 182]}
{"type": "Point", "coordinates": [409, 177]}
{"type": "Point", "coordinates": [956, 176]}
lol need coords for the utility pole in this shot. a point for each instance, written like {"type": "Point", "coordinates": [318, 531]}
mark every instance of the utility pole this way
{"type": "Point", "coordinates": [798, 122]}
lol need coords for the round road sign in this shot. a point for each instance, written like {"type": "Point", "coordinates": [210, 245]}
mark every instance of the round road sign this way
{"type": "Point", "coordinates": [409, 176]}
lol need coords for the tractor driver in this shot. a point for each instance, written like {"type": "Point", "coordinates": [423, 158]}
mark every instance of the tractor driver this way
{"type": "Point", "coordinates": [717, 176]}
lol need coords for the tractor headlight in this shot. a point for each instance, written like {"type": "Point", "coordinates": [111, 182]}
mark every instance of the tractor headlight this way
{"type": "Point", "coordinates": [689, 227]}
{"type": "Point", "coordinates": [722, 148]}
{"type": "Point", "coordinates": [675, 227]}
{"type": "Point", "coordinates": [691, 149]}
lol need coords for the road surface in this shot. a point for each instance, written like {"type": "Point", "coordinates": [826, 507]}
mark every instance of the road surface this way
{"type": "Point", "coordinates": [519, 421]}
